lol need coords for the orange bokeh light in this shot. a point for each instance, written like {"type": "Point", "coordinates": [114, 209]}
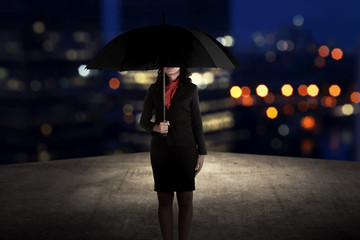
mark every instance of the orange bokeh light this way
{"type": "Point", "coordinates": [287, 90]}
{"type": "Point", "coordinates": [355, 97]}
{"type": "Point", "coordinates": [270, 98]}
{"type": "Point", "coordinates": [307, 122]}
{"type": "Point", "coordinates": [271, 112]}
{"type": "Point", "coordinates": [247, 101]}
{"type": "Point", "coordinates": [303, 106]}
{"type": "Point", "coordinates": [235, 92]}
{"type": "Point", "coordinates": [313, 90]}
{"type": "Point", "coordinates": [312, 103]}
{"type": "Point", "coordinates": [288, 109]}
{"type": "Point", "coordinates": [114, 83]}
{"type": "Point", "coordinates": [129, 118]}
{"type": "Point", "coordinates": [334, 90]}
{"type": "Point", "coordinates": [307, 146]}
{"type": "Point", "coordinates": [337, 54]}
{"type": "Point", "coordinates": [319, 62]}
{"type": "Point", "coordinates": [328, 101]}
{"type": "Point", "coordinates": [245, 91]}
{"type": "Point", "coordinates": [323, 51]}
{"type": "Point", "coordinates": [302, 90]}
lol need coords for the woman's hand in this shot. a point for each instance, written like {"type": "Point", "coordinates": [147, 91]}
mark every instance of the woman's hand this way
{"type": "Point", "coordinates": [199, 164]}
{"type": "Point", "coordinates": [162, 127]}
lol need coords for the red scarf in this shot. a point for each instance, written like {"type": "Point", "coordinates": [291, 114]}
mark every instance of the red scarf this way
{"type": "Point", "coordinates": [170, 90]}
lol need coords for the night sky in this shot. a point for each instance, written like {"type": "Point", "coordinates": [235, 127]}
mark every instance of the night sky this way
{"type": "Point", "coordinates": [334, 20]}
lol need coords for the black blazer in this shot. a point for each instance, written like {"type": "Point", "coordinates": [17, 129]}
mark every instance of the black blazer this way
{"type": "Point", "coordinates": [184, 116]}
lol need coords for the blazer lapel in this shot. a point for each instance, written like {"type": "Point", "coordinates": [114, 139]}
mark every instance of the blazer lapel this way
{"type": "Point", "coordinates": [179, 92]}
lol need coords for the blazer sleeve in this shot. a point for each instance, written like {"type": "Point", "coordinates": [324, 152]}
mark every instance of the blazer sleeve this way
{"type": "Point", "coordinates": [147, 112]}
{"type": "Point", "coordinates": [197, 124]}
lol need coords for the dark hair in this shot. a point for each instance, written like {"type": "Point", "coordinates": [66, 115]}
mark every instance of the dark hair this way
{"type": "Point", "coordinates": [184, 77]}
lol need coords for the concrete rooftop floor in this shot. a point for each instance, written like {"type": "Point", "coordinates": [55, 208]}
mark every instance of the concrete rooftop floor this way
{"type": "Point", "coordinates": [237, 196]}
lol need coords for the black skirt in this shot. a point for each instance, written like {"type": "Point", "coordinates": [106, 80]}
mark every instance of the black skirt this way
{"type": "Point", "coordinates": [173, 166]}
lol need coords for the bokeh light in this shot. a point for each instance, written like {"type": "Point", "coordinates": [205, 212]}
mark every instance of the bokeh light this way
{"type": "Point", "coordinates": [83, 71]}
{"type": "Point", "coordinates": [307, 146]}
{"type": "Point", "coordinates": [287, 90]}
{"type": "Point", "coordinates": [284, 130]}
{"type": "Point", "coordinates": [313, 90]}
{"type": "Point", "coordinates": [323, 51]}
{"type": "Point", "coordinates": [288, 109]}
{"type": "Point", "coordinates": [229, 41]}
{"type": "Point", "coordinates": [4, 73]}
{"type": "Point", "coordinates": [303, 106]}
{"type": "Point", "coordinates": [312, 103]}
{"type": "Point", "coordinates": [334, 90]}
{"type": "Point", "coordinates": [258, 39]}
{"type": "Point", "coordinates": [271, 112]}
{"type": "Point", "coordinates": [226, 41]}
{"type": "Point", "coordinates": [114, 83]}
{"type": "Point", "coordinates": [245, 91]}
{"type": "Point", "coordinates": [307, 122]}
{"type": "Point", "coordinates": [355, 97]}
{"type": "Point", "coordinates": [270, 56]}
{"type": "Point", "coordinates": [302, 90]}
{"type": "Point", "coordinates": [319, 62]}
{"type": "Point", "coordinates": [39, 27]}
{"type": "Point", "coordinates": [46, 129]}
{"type": "Point", "coordinates": [262, 90]}
{"type": "Point", "coordinates": [328, 101]}
{"type": "Point", "coordinates": [298, 20]}
{"type": "Point", "coordinates": [347, 109]}
{"type": "Point", "coordinates": [129, 118]}
{"type": "Point", "coordinates": [270, 38]}
{"type": "Point", "coordinates": [247, 101]}
{"type": "Point", "coordinates": [128, 109]}
{"type": "Point", "coordinates": [71, 54]}
{"type": "Point", "coordinates": [285, 45]}
{"type": "Point", "coordinates": [235, 92]}
{"type": "Point", "coordinates": [270, 98]}
{"type": "Point", "coordinates": [336, 53]}
{"type": "Point", "coordinates": [276, 143]}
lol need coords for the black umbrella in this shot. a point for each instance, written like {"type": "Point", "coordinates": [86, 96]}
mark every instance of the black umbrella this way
{"type": "Point", "coordinates": [162, 46]}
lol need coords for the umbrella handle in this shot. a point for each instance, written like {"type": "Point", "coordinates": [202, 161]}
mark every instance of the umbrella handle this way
{"type": "Point", "coordinates": [164, 134]}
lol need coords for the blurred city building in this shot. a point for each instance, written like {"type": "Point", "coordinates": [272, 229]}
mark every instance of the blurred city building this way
{"type": "Point", "coordinates": [293, 97]}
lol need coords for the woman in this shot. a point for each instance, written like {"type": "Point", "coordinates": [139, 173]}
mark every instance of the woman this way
{"type": "Point", "coordinates": [179, 156]}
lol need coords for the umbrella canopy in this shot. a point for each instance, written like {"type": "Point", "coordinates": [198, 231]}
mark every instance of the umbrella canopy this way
{"type": "Point", "coordinates": [162, 46]}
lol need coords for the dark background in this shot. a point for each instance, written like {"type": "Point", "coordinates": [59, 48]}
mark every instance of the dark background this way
{"type": "Point", "coordinates": [50, 109]}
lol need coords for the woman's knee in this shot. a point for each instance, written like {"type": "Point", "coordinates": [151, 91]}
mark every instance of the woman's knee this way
{"type": "Point", "coordinates": [165, 198]}
{"type": "Point", "coordinates": [184, 198]}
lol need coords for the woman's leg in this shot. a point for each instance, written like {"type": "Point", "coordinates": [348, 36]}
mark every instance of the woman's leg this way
{"type": "Point", "coordinates": [165, 214]}
{"type": "Point", "coordinates": [185, 202]}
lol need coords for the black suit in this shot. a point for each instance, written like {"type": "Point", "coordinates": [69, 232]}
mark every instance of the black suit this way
{"type": "Point", "coordinates": [184, 116]}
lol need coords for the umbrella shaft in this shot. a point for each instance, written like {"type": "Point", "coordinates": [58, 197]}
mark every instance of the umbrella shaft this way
{"type": "Point", "coordinates": [164, 92]}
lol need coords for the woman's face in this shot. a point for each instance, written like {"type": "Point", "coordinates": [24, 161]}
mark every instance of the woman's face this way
{"type": "Point", "coordinates": [172, 70]}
